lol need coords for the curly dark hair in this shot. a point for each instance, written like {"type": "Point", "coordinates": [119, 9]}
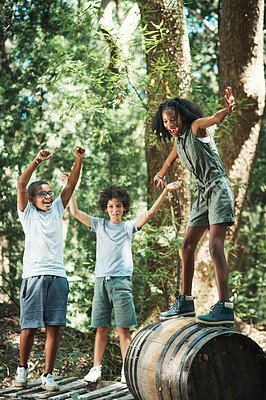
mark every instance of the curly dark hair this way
{"type": "Point", "coordinates": [114, 192]}
{"type": "Point", "coordinates": [188, 110]}
{"type": "Point", "coordinates": [32, 188]}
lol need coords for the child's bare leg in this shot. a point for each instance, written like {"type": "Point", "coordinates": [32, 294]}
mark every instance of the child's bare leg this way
{"type": "Point", "coordinates": [26, 342]}
{"type": "Point", "coordinates": [51, 347]}
{"type": "Point", "coordinates": [217, 236]}
{"type": "Point", "coordinates": [189, 245]}
{"type": "Point", "coordinates": [100, 344]}
{"type": "Point", "coordinates": [125, 339]}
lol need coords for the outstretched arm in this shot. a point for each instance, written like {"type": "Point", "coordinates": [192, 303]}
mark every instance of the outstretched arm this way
{"type": "Point", "coordinates": [74, 210]}
{"type": "Point", "coordinates": [73, 177]}
{"type": "Point", "coordinates": [143, 219]}
{"type": "Point", "coordinates": [218, 117]}
{"type": "Point", "coordinates": [168, 162]}
{"type": "Point", "coordinates": [22, 196]}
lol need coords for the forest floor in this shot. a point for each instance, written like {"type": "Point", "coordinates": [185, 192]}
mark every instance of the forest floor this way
{"type": "Point", "coordinates": [76, 350]}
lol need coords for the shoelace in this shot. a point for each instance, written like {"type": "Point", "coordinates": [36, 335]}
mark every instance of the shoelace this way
{"type": "Point", "coordinates": [216, 308]}
{"type": "Point", "coordinates": [175, 305]}
{"type": "Point", "coordinates": [95, 368]}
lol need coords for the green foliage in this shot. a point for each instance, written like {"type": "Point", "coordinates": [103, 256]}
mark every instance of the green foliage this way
{"type": "Point", "coordinates": [248, 294]}
{"type": "Point", "coordinates": [202, 25]}
{"type": "Point", "coordinates": [3, 366]}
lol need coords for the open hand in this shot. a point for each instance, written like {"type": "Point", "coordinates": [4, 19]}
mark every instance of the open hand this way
{"type": "Point", "coordinates": [79, 151]}
{"type": "Point", "coordinates": [229, 99]}
{"type": "Point", "coordinates": [43, 155]}
{"type": "Point", "coordinates": [64, 177]}
{"type": "Point", "coordinates": [173, 185]}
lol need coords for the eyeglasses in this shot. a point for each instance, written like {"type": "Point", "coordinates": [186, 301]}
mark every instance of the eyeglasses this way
{"type": "Point", "coordinates": [45, 194]}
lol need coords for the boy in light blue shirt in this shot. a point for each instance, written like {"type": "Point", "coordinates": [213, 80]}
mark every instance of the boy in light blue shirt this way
{"type": "Point", "coordinates": [44, 288]}
{"type": "Point", "coordinates": [114, 267]}
{"type": "Point", "coordinates": [113, 251]}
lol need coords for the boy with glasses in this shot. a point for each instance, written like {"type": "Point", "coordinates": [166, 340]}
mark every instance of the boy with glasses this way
{"type": "Point", "coordinates": [44, 288]}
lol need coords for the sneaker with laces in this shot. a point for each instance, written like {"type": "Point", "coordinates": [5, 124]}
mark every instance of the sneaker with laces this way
{"type": "Point", "coordinates": [182, 307]}
{"type": "Point", "coordinates": [21, 377]}
{"type": "Point", "coordinates": [94, 374]}
{"type": "Point", "coordinates": [49, 384]}
{"type": "Point", "coordinates": [221, 314]}
{"type": "Point", "coordinates": [123, 378]}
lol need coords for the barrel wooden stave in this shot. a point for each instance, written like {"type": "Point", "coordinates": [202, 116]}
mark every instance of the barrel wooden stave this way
{"type": "Point", "coordinates": [237, 370]}
{"type": "Point", "coordinates": [146, 364]}
{"type": "Point", "coordinates": [132, 356]}
{"type": "Point", "coordinates": [167, 369]}
{"type": "Point", "coordinates": [179, 359]}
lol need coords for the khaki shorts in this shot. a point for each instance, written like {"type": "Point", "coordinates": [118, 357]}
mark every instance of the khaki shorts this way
{"type": "Point", "coordinates": [214, 204]}
{"type": "Point", "coordinates": [113, 292]}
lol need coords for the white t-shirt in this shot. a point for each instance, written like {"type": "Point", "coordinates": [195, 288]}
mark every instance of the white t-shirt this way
{"type": "Point", "coordinates": [43, 253]}
{"type": "Point", "coordinates": [113, 251]}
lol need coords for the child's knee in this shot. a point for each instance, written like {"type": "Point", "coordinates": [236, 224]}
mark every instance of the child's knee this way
{"type": "Point", "coordinates": [103, 330]}
{"type": "Point", "coordinates": [28, 332]}
{"type": "Point", "coordinates": [216, 249]}
{"type": "Point", "coordinates": [187, 247]}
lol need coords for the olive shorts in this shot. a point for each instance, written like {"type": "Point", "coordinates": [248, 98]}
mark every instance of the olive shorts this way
{"type": "Point", "coordinates": [214, 204]}
{"type": "Point", "coordinates": [43, 301]}
{"type": "Point", "coordinates": [113, 292]}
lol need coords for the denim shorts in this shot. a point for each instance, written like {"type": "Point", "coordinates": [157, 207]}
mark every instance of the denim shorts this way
{"type": "Point", "coordinates": [214, 204]}
{"type": "Point", "coordinates": [109, 293]}
{"type": "Point", "coordinates": [43, 301]}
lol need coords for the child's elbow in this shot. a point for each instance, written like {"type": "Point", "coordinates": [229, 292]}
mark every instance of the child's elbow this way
{"type": "Point", "coordinates": [20, 184]}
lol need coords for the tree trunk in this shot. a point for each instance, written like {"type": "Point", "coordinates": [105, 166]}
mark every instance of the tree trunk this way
{"type": "Point", "coordinates": [241, 66]}
{"type": "Point", "coordinates": [168, 67]}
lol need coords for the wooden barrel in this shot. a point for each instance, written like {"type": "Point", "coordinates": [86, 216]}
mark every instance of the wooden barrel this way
{"type": "Point", "coordinates": [179, 359]}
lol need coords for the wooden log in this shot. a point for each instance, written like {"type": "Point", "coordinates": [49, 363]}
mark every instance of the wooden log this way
{"type": "Point", "coordinates": [104, 392]}
{"type": "Point", "coordinates": [69, 395]}
{"type": "Point", "coordinates": [179, 359]}
{"type": "Point", "coordinates": [64, 388]}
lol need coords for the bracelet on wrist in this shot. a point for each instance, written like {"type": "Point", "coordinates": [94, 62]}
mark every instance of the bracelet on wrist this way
{"type": "Point", "coordinates": [162, 179]}
{"type": "Point", "coordinates": [37, 162]}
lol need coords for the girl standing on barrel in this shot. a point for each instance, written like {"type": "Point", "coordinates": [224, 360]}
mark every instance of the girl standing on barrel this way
{"type": "Point", "coordinates": [213, 208]}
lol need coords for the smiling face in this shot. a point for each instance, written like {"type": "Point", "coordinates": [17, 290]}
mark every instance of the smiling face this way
{"type": "Point", "coordinates": [42, 203]}
{"type": "Point", "coordinates": [173, 125]}
{"type": "Point", "coordinates": [115, 210]}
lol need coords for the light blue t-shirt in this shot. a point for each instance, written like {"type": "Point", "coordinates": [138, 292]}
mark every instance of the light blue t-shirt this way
{"type": "Point", "coordinates": [43, 253]}
{"type": "Point", "coordinates": [113, 250]}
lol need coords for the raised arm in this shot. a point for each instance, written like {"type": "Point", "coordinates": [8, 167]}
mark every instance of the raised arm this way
{"type": "Point", "coordinates": [144, 218]}
{"type": "Point", "coordinates": [218, 117]}
{"type": "Point", "coordinates": [168, 162]}
{"type": "Point", "coordinates": [22, 195]}
{"type": "Point", "coordinates": [73, 177]}
{"type": "Point", "coordinates": [74, 210]}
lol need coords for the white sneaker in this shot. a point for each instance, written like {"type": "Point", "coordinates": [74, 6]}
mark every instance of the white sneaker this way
{"type": "Point", "coordinates": [49, 384]}
{"type": "Point", "coordinates": [123, 378]}
{"type": "Point", "coordinates": [21, 377]}
{"type": "Point", "coordinates": [94, 374]}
